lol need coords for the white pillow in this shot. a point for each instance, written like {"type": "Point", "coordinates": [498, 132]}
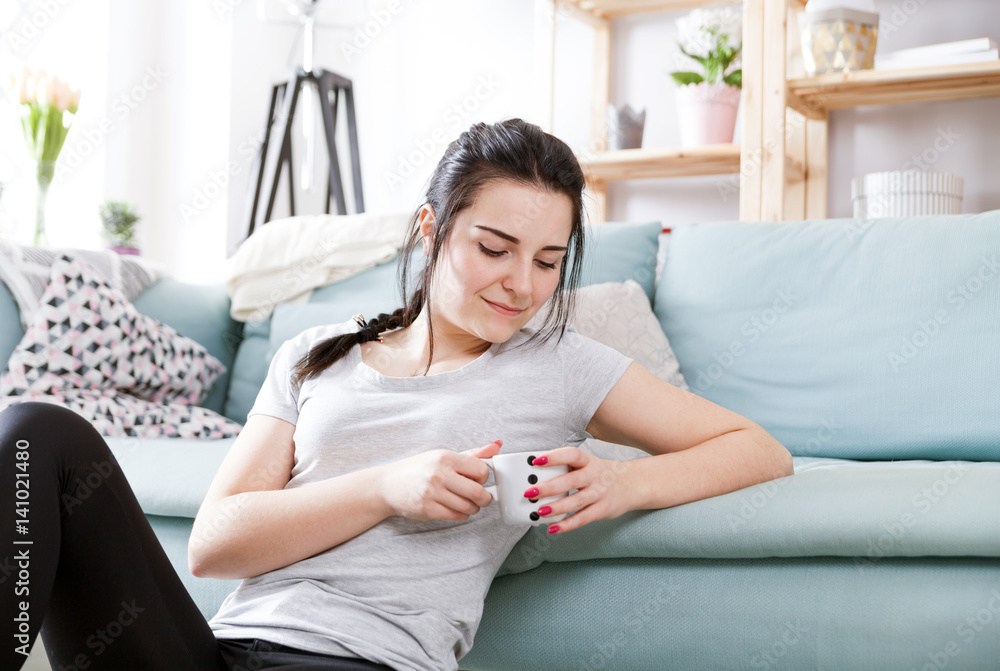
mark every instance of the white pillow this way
{"type": "Point", "coordinates": [618, 315]}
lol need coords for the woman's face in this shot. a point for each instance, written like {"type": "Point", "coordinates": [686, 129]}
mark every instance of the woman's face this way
{"type": "Point", "coordinates": [501, 262]}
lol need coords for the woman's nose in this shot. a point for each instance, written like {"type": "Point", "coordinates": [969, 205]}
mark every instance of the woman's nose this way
{"type": "Point", "coordinates": [518, 279]}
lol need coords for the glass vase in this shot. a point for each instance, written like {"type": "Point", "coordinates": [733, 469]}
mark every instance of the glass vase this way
{"type": "Point", "coordinates": [45, 171]}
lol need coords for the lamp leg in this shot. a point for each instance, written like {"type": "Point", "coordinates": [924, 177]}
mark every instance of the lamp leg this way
{"type": "Point", "coordinates": [286, 143]}
{"type": "Point", "coordinates": [329, 124]}
{"type": "Point", "coordinates": [276, 94]}
{"type": "Point", "coordinates": [352, 133]}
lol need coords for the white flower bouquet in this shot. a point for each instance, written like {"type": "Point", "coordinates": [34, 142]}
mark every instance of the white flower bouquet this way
{"type": "Point", "coordinates": [47, 106]}
{"type": "Point", "coordinates": [713, 38]}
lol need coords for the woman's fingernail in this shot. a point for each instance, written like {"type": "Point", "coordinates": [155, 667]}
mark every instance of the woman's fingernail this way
{"type": "Point", "coordinates": [531, 493]}
{"type": "Point", "coordinates": [553, 529]}
{"type": "Point", "coordinates": [539, 461]}
{"type": "Point", "coordinates": [499, 442]}
{"type": "Point", "coordinates": [545, 510]}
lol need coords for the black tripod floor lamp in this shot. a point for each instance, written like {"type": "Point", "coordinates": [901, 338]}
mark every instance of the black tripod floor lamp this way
{"type": "Point", "coordinates": [279, 121]}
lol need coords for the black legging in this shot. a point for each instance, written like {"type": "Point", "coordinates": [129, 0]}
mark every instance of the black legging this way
{"type": "Point", "coordinates": [79, 559]}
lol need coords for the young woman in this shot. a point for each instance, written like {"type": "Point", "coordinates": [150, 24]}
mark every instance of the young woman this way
{"type": "Point", "coordinates": [353, 503]}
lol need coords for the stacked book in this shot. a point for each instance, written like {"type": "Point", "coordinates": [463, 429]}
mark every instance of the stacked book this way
{"type": "Point", "coordinates": [979, 50]}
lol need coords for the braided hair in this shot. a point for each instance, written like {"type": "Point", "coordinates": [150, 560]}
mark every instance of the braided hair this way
{"type": "Point", "coordinates": [511, 150]}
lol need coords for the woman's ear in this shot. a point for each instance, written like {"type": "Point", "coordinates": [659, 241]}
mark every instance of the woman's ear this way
{"type": "Point", "coordinates": [427, 222]}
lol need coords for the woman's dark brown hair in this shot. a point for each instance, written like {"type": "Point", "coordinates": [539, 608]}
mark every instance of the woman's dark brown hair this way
{"type": "Point", "coordinates": [511, 150]}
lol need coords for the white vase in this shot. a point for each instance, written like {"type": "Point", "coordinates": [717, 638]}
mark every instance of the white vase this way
{"type": "Point", "coordinates": [706, 113]}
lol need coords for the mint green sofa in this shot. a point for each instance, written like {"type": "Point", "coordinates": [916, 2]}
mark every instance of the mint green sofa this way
{"type": "Point", "coordinates": [871, 349]}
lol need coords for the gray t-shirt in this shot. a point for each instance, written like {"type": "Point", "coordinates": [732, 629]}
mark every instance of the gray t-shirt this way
{"type": "Point", "coordinates": [407, 593]}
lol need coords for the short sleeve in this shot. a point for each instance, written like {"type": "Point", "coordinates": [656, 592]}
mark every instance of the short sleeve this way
{"type": "Point", "coordinates": [590, 370]}
{"type": "Point", "coordinates": [278, 397]}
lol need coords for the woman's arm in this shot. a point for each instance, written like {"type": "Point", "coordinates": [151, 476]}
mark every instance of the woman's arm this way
{"type": "Point", "coordinates": [248, 524]}
{"type": "Point", "coordinates": [700, 449]}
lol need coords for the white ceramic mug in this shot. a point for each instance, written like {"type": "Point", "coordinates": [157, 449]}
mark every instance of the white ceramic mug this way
{"type": "Point", "coordinates": [514, 474]}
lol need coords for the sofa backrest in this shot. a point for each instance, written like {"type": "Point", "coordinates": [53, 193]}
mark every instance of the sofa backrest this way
{"type": "Point", "coordinates": [860, 339]}
{"type": "Point", "coordinates": [614, 252]}
{"type": "Point", "coordinates": [10, 325]}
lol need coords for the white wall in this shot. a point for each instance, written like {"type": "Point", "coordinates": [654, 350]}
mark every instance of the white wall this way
{"type": "Point", "coordinates": [183, 153]}
{"type": "Point", "coordinates": [171, 71]}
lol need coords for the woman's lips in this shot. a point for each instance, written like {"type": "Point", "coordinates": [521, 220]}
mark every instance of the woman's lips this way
{"type": "Point", "coordinates": [504, 311]}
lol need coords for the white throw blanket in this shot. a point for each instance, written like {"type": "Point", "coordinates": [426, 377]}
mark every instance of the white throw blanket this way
{"type": "Point", "coordinates": [284, 260]}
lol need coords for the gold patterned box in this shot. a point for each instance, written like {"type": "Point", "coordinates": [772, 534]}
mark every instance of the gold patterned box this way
{"type": "Point", "coordinates": [838, 40]}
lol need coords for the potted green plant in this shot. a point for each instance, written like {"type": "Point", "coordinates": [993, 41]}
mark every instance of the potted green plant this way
{"type": "Point", "coordinates": [119, 221]}
{"type": "Point", "coordinates": [707, 102]}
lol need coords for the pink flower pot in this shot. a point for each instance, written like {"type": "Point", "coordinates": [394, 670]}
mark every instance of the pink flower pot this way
{"type": "Point", "coordinates": [126, 250]}
{"type": "Point", "coordinates": [707, 113]}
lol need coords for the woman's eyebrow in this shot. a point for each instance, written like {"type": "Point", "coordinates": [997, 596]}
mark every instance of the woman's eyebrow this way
{"type": "Point", "coordinates": [511, 238]}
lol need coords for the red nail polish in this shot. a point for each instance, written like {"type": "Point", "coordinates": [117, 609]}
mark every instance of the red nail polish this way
{"type": "Point", "coordinates": [499, 442]}
{"type": "Point", "coordinates": [553, 529]}
{"type": "Point", "coordinates": [545, 510]}
{"type": "Point", "coordinates": [531, 493]}
{"type": "Point", "coordinates": [540, 461]}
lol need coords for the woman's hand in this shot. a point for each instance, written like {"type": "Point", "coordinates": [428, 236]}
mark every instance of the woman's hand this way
{"type": "Point", "coordinates": [604, 491]}
{"type": "Point", "coordinates": [439, 484]}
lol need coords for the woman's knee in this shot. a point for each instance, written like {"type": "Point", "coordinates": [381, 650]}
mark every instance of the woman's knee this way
{"type": "Point", "coordinates": [52, 427]}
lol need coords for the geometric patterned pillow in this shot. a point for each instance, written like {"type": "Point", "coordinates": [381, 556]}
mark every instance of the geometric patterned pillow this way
{"type": "Point", "coordinates": [87, 335]}
{"type": "Point", "coordinates": [89, 349]}
{"type": "Point", "coordinates": [118, 414]}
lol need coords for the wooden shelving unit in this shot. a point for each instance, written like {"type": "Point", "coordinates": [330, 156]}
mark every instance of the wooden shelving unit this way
{"type": "Point", "coordinates": [784, 152]}
{"type": "Point", "coordinates": [610, 166]}
{"type": "Point", "coordinates": [886, 87]}
{"type": "Point", "coordinates": [603, 167]}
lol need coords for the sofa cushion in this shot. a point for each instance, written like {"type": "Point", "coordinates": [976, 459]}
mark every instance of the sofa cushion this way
{"type": "Point", "coordinates": [864, 339]}
{"type": "Point", "coordinates": [336, 303]}
{"type": "Point", "coordinates": [11, 331]}
{"type": "Point", "coordinates": [249, 373]}
{"type": "Point", "coordinates": [618, 314]}
{"type": "Point", "coordinates": [200, 312]}
{"type": "Point", "coordinates": [830, 507]}
{"type": "Point", "coordinates": [369, 292]}
{"type": "Point", "coordinates": [619, 251]}
{"type": "Point", "coordinates": [169, 476]}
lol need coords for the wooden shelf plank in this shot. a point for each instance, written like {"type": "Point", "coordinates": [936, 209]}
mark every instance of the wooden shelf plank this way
{"type": "Point", "coordinates": [886, 87]}
{"type": "Point", "coordinates": [609, 9]}
{"type": "Point", "coordinates": [610, 166]}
